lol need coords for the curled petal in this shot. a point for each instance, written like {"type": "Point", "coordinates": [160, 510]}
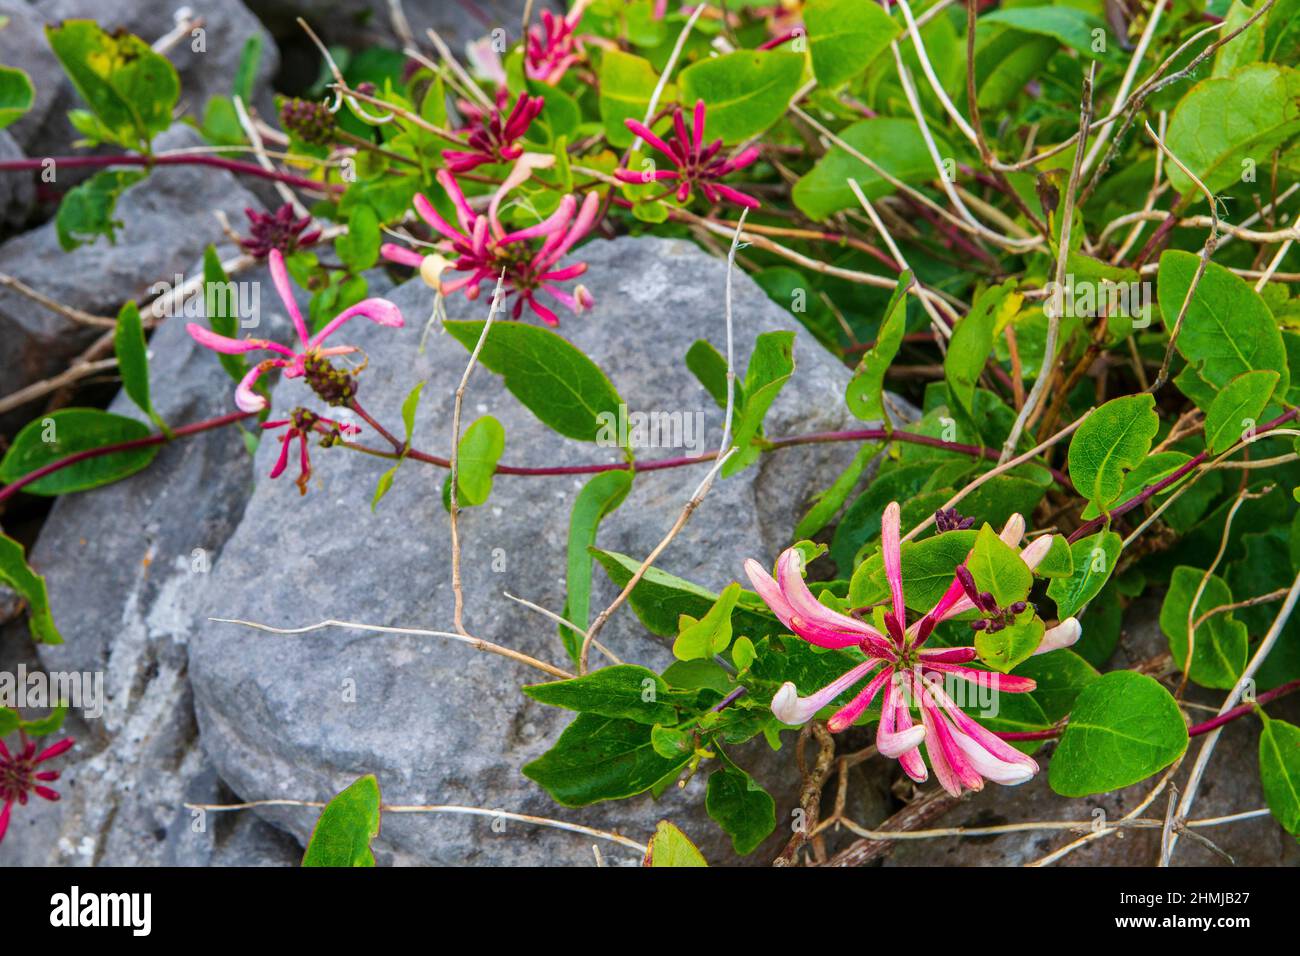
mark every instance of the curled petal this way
{"type": "Point", "coordinates": [845, 716]}
{"type": "Point", "coordinates": [948, 655]}
{"type": "Point", "coordinates": [890, 550]}
{"type": "Point", "coordinates": [790, 708]}
{"type": "Point", "coordinates": [401, 255]}
{"type": "Point", "coordinates": [1006, 683]}
{"type": "Point", "coordinates": [379, 311]}
{"type": "Point", "coordinates": [434, 219]}
{"type": "Point", "coordinates": [736, 196]}
{"type": "Point", "coordinates": [811, 615]}
{"type": "Point", "coordinates": [891, 740]}
{"type": "Point", "coordinates": [228, 346]}
{"type": "Point", "coordinates": [245, 398]}
{"type": "Point", "coordinates": [464, 213]}
{"type": "Point", "coordinates": [282, 462]}
{"type": "Point", "coordinates": [552, 223]}
{"type": "Point", "coordinates": [1062, 635]}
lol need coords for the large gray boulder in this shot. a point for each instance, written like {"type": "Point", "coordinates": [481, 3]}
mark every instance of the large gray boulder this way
{"type": "Point", "coordinates": [23, 45]}
{"type": "Point", "coordinates": [302, 716]}
{"type": "Point", "coordinates": [17, 192]}
{"type": "Point", "coordinates": [167, 220]}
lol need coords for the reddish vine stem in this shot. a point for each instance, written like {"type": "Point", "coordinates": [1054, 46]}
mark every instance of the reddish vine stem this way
{"type": "Point", "coordinates": [1196, 730]}
{"type": "Point", "coordinates": [231, 165]}
{"type": "Point", "coordinates": [18, 484]}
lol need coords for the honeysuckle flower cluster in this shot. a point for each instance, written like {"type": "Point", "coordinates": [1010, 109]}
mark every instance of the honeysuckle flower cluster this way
{"type": "Point", "coordinates": [311, 122]}
{"type": "Point", "coordinates": [20, 776]}
{"type": "Point", "coordinates": [282, 230]}
{"type": "Point", "coordinates": [962, 753]}
{"type": "Point", "coordinates": [312, 360]}
{"type": "Point", "coordinates": [491, 135]}
{"type": "Point", "coordinates": [696, 165]}
{"type": "Point", "coordinates": [481, 247]}
{"type": "Point", "coordinates": [300, 424]}
{"type": "Point", "coordinates": [949, 519]}
{"type": "Point", "coordinates": [553, 46]}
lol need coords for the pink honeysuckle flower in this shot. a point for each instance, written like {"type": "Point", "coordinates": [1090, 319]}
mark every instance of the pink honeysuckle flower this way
{"type": "Point", "coordinates": [19, 776]}
{"type": "Point", "coordinates": [491, 134]}
{"type": "Point", "coordinates": [301, 423]}
{"type": "Point", "coordinates": [554, 46]}
{"type": "Point", "coordinates": [380, 311]}
{"type": "Point", "coordinates": [481, 248]}
{"type": "Point", "coordinates": [962, 752]}
{"type": "Point", "coordinates": [696, 164]}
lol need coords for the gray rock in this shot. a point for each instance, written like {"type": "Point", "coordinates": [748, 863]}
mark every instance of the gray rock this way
{"type": "Point", "coordinates": [17, 190]}
{"type": "Point", "coordinates": [361, 23]}
{"type": "Point", "coordinates": [205, 72]}
{"type": "Point", "coordinates": [437, 721]}
{"type": "Point", "coordinates": [23, 45]}
{"type": "Point", "coordinates": [121, 564]}
{"type": "Point", "coordinates": [167, 220]}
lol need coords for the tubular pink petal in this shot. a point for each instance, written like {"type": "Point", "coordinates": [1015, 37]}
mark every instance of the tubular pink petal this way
{"type": "Point", "coordinates": [845, 716]}
{"type": "Point", "coordinates": [401, 255]}
{"type": "Point", "coordinates": [890, 550]}
{"type": "Point", "coordinates": [552, 223]}
{"type": "Point", "coordinates": [5, 812]}
{"type": "Point", "coordinates": [54, 750]}
{"type": "Point", "coordinates": [943, 771]}
{"type": "Point", "coordinates": [958, 763]}
{"type": "Point", "coordinates": [698, 127]}
{"type": "Point", "coordinates": [912, 762]}
{"type": "Point", "coordinates": [769, 591]}
{"type": "Point", "coordinates": [228, 346]}
{"type": "Point", "coordinates": [647, 134]}
{"type": "Point", "coordinates": [1062, 635]}
{"type": "Point", "coordinates": [989, 741]}
{"type": "Point", "coordinates": [434, 218]}
{"type": "Point", "coordinates": [989, 766]}
{"type": "Point", "coordinates": [543, 313]}
{"type": "Point", "coordinates": [379, 311]}
{"type": "Point", "coordinates": [736, 196]}
{"type": "Point", "coordinates": [948, 655]}
{"type": "Point", "coordinates": [744, 158]}
{"type": "Point", "coordinates": [280, 278]}
{"type": "Point", "coordinates": [464, 213]}
{"type": "Point", "coordinates": [563, 275]}
{"type": "Point", "coordinates": [891, 740]}
{"type": "Point", "coordinates": [790, 708]}
{"type": "Point", "coordinates": [810, 615]}
{"type": "Point", "coordinates": [1006, 683]}
{"type": "Point", "coordinates": [1036, 550]}
{"type": "Point", "coordinates": [282, 462]}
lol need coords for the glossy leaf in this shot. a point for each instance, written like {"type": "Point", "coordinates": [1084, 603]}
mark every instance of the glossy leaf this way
{"type": "Point", "coordinates": [66, 432]}
{"type": "Point", "coordinates": [744, 92]}
{"type": "Point", "coordinates": [346, 826]}
{"type": "Point", "coordinates": [1114, 439]}
{"type": "Point", "coordinates": [30, 586]}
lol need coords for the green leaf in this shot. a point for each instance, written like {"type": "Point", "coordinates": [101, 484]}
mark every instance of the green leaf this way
{"type": "Point", "coordinates": [66, 432]}
{"type": "Point", "coordinates": [87, 209]}
{"type": "Point", "coordinates": [476, 459]}
{"type": "Point", "coordinates": [770, 367]}
{"type": "Point", "coordinates": [1058, 562]}
{"type": "Point", "coordinates": [711, 634]}
{"type": "Point", "coordinates": [844, 36]}
{"type": "Point", "coordinates": [1123, 728]}
{"type": "Point", "coordinates": [131, 89]}
{"type": "Point", "coordinates": [133, 357]}
{"type": "Point", "coordinates": [1114, 439]}
{"type": "Point", "coordinates": [49, 724]}
{"type": "Point", "coordinates": [16, 94]}
{"type": "Point", "coordinates": [997, 567]}
{"type": "Point", "coordinates": [928, 570]}
{"type": "Point", "coordinates": [598, 497]}
{"type": "Point", "coordinates": [1002, 650]}
{"type": "Point", "coordinates": [671, 847]}
{"type": "Point", "coordinates": [1279, 771]}
{"type": "Point", "coordinates": [745, 92]}
{"type": "Point", "coordinates": [1093, 560]}
{"type": "Point", "coordinates": [30, 586]}
{"type": "Point", "coordinates": [1246, 48]}
{"type": "Point", "coordinates": [827, 503]}
{"type": "Point", "coordinates": [709, 366]}
{"type": "Point", "coordinates": [624, 690]}
{"type": "Point", "coordinates": [1282, 32]}
{"type": "Point", "coordinates": [409, 406]}
{"type": "Point", "coordinates": [219, 305]}
{"type": "Point", "coordinates": [626, 82]}
{"type": "Point", "coordinates": [1228, 328]}
{"type": "Point", "coordinates": [864, 391]}
{"type": "Point", "coordinates": [358, 248]}
{"type": "Point", "coordinates": [1061, 676]}
{"type": "Point", "coordinates": [1005, 61]}
{"type": "Point", "coordinates": [1071, 26]}
{"type": "Point", "coordinates": [552, 378]}
{"type": "Point", "coordinates": [972, 342]}
{"type": "Point", "coordinates": [1154, 468]}
{"type": "Point", "coordinates": [741, 807]}
{"type": "Point", "coordinates": [1226, 124]}
{"type": "Point", "coordinates": [1220, 643]}
{"type": "Point", "coordinates": [246, 72]}
{"type": "Point", "coordinates": [346, 826]}
{"type": "Point", "coordinates": [1236, 409]}
{"type": "Point", "coordinates": [660, 599]}
{"type": "Point", "coordinates": [893, 144]}
{"type": "Point", "coordinates": [601, 758]}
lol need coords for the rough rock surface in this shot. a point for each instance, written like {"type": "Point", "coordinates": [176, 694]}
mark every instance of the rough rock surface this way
{"type": "Point", "coordinates": [122, 564]}
{"type": "Point", "coordinates": [436, 720]}
{"type": "Point", "coordinates": [17, 192]}
{"type": "Point", "coordinates": [205, 72]}
{"type": "Point", "coordinates": [23, 45]}
{"type": "Point", "coordinates": [167, 221]}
